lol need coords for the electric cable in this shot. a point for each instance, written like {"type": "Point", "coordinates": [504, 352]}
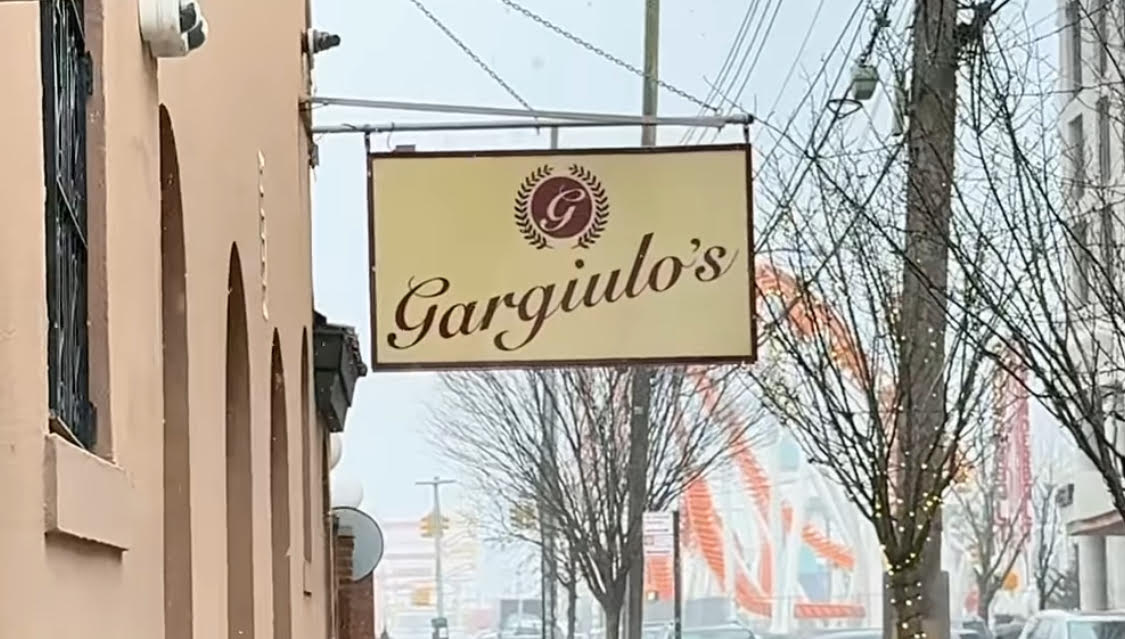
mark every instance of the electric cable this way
{"type": "Point", "coordinates": [724, 70]}
{"type": "Point", "coordinates": [746, 56]}
{"type": "Point", "coordinates": [602, 53]}
{"type": "Point", "coordinates": [472, 55]}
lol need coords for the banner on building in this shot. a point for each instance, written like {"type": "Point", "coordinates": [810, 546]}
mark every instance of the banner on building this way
{"type": "Point", "coordinates": [592, 257]}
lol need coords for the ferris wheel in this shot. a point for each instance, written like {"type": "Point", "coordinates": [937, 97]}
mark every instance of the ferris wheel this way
{"type": "Point", "coordinates": [768, 531]}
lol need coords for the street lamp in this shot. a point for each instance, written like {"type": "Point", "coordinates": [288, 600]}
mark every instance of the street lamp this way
{"type": "Point", "coordinates": [865, 79]}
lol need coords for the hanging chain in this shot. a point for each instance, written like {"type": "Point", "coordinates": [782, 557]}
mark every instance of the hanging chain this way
{"type": "Point", "coordinates": [473, 56]}
{"type": "Point", "coordinates": [511, 4]}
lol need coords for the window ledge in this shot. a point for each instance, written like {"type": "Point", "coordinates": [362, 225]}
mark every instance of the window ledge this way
{"type": "Point", "coordinates": [85, 497]}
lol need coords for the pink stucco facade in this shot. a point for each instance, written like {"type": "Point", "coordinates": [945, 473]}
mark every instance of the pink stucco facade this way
{"type": "Point", "coordinates": [200, 512]}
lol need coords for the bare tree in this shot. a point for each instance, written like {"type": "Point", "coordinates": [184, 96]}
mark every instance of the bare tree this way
{"type": "Point", "coordinates": [492, 424]}
{"type": "Point", "coordinates": [884, 384]}
{"type": "Point", "coordinates": [1034, 243]}
{"type": "Point", "coordinates": [1055, 582]}
{"type": "Point", "coordinates": [1044, 222]}
{"type": "Point", "coordinates": [992, 526]}
{"type": "Point", "coordinates": [832, 369]}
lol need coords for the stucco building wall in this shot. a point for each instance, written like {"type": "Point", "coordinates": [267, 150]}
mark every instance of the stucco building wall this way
{"type": "Point", "coordinates": [82, 533]}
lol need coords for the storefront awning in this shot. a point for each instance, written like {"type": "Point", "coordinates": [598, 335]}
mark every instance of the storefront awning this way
{"type": "Point", "coordinates": [1105, 524]}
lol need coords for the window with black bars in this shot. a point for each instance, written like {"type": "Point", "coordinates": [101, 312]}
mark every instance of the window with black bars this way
{"type": "Point", "coordinates": [66, 86]}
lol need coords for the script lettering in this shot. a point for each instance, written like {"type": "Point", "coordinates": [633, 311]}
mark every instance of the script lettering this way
{"type": "Point", "coordinates": [554, 219]}
{"type": "Point", "coordinates": [522, 316]}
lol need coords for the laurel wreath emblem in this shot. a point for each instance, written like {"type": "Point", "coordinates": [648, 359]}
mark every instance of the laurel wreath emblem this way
{"type": "Point", "coordinates": [527, 228]}
{"type": "Point", "coordinates": [531, 232]}
{"type": "Point", "coordinates": [601, 205]}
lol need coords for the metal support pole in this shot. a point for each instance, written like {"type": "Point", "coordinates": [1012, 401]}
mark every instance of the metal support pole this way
{"type": "Point", "coordinates": [677, 579]}
{"type": "Point", "coordinates": [642, 376]}
{"type": "Point", "coordinates": [535, 114]}
{"type": "Point", "coordinates": [495, 125]}
{"type": "Point", "coordinates": [652, 66]}
{"type": "Point", "coordinates": [436, 483]}
{"type": "Point", "coordinates": [548, 555]}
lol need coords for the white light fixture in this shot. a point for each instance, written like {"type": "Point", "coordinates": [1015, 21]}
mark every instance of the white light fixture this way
{"type": "Point", "coordinates": [345, 491]}
{"type": "Point", "coordinates": [865, 79]}
{"type": "Point", "coordinates": [335, 449]}
{"type": "Point", "coordinates": [172, 28]}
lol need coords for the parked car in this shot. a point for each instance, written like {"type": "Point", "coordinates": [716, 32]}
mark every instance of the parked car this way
{"type": "Point", "coordinates": [1058, 624]}
{"type": "Point", "coordinates": [727, 631]}
{"type": "Point", "coordinates": [957, 632]}
{"type": "Point", "coordinates": [860, 633]}
{"type": "Point", "coordinates": [977, 626]}
{"type": "Point", "coordinates": [1011, 629]}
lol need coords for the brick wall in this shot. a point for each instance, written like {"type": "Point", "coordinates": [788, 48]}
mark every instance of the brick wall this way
{"type": "Point", "coordinates": [355, 600]}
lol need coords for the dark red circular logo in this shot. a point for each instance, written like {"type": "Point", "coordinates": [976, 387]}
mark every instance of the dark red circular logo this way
{"type": "Point", "coordinates": [562, 207]}
{"type": "Point", "coordinates": [557, 211]}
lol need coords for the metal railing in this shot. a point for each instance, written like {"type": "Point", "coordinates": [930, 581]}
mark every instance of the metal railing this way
{"type": "Point", "coordinates": [66, 87]}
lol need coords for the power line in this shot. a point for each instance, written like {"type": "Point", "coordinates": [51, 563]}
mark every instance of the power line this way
{"type": "Point", "coordinates": [757, 56]}
{"type": "Point", "coordinates": [511, 4]}
{"type": "Point", "coordinates": [724, 70]}
{"type": "Point", "coordinates": [734, 101]}
{"type": "Point", "coordinates": [472, 55]}
{"type": "Point", "coordinates": [797, 58]}
{"type": "Point", "coordinates": [813, 83]}
{"type": "Point", "coordinates": [798, 178]}
{"type": "Point", "coordinates": [735, 52]}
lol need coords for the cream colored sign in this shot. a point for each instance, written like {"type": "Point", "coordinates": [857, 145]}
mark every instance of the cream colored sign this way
{"type": "Point", "coordinates": [586, 257]}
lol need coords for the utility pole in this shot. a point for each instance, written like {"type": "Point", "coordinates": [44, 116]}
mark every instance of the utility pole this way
{"type": "Point", "coordinates": [436, 483]}
{"type": "Point", "coordinates": [652, 69]}
{"type": "Point", "coordinates": [677, 580]}
{"type": "Point", "coordinates": [641, 382]}
{"type": "Point", "coordinates": [548, 568]}
{"type": "Point", "coordinates": [931, 145]}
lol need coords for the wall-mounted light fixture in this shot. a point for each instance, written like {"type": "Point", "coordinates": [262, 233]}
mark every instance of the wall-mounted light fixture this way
{"type": "Point", "coordinates": [172, 28]}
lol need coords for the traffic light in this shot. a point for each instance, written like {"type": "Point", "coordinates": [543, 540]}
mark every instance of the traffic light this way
{"type": "Point", "coordinates": [441, 628]}
{"type": "Point", "coordinates": [523, 516]}
{"type": "Point", "coordinates": [429, 525]}
{"type": "Point", "coordinates": [421, 598]}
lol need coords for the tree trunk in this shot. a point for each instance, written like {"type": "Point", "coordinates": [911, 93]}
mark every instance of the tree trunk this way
{"type": "Point", "coordinates": [612, 612]}
{"type": "Point", "coordinates": [571, 596]}
{"type": "Point", "coordinates": [571, 609]}
{"type": "Point", "coordinates": [908, 605]}
{"type": "Point", "coordinates": [984, 601]}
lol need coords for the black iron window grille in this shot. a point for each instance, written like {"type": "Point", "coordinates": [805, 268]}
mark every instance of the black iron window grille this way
{"type": "Point", "coordinates": [67, 75]}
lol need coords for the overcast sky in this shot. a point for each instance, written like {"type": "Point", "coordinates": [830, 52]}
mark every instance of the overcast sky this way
{"type": "Point", "coordinates": [391, 51]}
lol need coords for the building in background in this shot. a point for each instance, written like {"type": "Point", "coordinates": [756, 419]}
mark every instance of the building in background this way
{"type": "Point", "coordinates": [1089, 124]}
{"type": "Point", "coordinates": [406, 586]}
{"type": "Point", "coordinates": [161, 468]}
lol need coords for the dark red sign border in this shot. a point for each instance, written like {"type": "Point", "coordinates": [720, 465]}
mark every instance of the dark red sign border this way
{"type": "Point", "coordinates": [377, 366]}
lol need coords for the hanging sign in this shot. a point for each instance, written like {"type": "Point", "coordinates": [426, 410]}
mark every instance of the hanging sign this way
{"type": "Point", "coordinates": [518, 258]}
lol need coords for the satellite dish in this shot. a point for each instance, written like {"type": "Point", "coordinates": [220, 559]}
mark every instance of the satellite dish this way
{"type": "Point", "coordinates": [335, 449]}
{"type": "Point", "coordinates": [368, 539]}
{"type": "Point", "coordinates": [346, 491]}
